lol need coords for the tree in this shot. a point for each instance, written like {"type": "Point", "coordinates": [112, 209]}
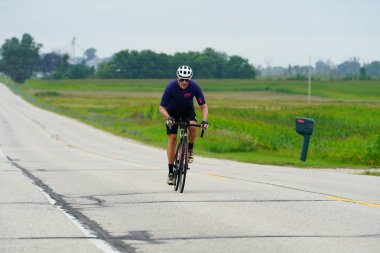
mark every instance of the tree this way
{"type": "Point", "coordinates": [238, 67]}
{"type": "Point", "coordinates": [325, 69]}
{"type": "Point", "coordinates": [90, 54]}
{"type": "Point", "coordinates": [373, 69]}
{"type": "Point", "coordinates": [69, 71]}
{"type": "Point", "coordinates": [210, 63]}
{"type": "Point", "coordinates": [50, 62]}
{"type": "Point", "coordinates": [349, 69]}
{"type": "Point", "coordinates": [108, 70]}
{"type": "Point", "coordinates": [20, 58]}
{"type": "Point", "coordinates": [148, 64]}
{"type": "Point", "coordinates": [322, 68]}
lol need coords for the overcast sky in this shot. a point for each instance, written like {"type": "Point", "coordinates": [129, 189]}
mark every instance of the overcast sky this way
{"type": "Point", "coordinates": [267, 32]}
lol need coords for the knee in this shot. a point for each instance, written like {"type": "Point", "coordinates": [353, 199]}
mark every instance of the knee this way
{"type": "Point", "coordinates": [172, 138]}
{"type": "Point", "coordinates": [193, 131]}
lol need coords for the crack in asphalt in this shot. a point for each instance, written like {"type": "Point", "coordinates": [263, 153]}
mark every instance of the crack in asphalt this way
{"type": "Point", "coordinates": [91, 225]}
{"type": "Point", "coordinates": [98, 201]}
{"type": "Point", "coordinates": [25, 203]}
{"type": "Point", "coordinates": [146, 237]}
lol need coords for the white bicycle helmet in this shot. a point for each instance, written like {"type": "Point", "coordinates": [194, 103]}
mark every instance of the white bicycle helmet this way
{"type": "Point", "coordinates": [184, 72]}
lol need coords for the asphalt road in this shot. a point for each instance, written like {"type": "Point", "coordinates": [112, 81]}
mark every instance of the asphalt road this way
{"type": "Point", "coordinates": [67, 187]}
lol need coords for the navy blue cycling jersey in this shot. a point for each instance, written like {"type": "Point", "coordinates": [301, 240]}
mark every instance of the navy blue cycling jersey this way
{"type": "Point", "coordinates": [176, 99]}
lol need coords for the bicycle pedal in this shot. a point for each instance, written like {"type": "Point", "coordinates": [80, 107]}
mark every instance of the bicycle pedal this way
{"type": "Point", "coordinates": [188, 168]}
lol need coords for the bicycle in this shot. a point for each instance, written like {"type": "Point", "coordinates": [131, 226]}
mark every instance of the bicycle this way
{"type": "Point", "coordinates": [181, 162]}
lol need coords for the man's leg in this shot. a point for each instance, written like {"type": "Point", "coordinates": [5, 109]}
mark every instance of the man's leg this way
{"type": "Point", "coordinates": [192, 137]}
{"type": "Point", "coordinates": [172, 141]}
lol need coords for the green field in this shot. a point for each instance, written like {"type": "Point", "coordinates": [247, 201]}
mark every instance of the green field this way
{"type": "Point", "coordinates": [250, 120]}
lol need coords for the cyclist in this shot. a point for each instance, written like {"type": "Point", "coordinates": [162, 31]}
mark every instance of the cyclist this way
{"type": "Point", "coordinates": [177, 102]}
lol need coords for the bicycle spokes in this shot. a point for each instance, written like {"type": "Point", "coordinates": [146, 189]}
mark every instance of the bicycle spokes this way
{"type": "Point", "coordinates": [181, 156]}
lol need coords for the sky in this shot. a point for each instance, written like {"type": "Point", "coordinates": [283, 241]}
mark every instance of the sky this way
{"type": "Point", "coordinates": [266, 32]}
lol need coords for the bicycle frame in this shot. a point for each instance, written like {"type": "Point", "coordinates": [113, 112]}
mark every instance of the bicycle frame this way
{"type": "Point", "coordinates": [181, 162]}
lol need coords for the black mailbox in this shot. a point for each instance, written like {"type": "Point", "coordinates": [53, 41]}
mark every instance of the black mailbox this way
{"type": "Point", "coordinates": [304, 126]}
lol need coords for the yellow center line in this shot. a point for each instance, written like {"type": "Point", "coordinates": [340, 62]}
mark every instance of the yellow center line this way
{"type": "Point", "coordinates": [215, 175]}
{"type": "Point", "coordinates": [334, 198]}
{"type": "Point", "coordinates": [353, 201]}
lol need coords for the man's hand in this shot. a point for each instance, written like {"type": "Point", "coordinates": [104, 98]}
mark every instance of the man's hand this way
{"type": "Point", "coordinates": [204, 124]}
{"type": "Point", "coordinates": [170, 121]}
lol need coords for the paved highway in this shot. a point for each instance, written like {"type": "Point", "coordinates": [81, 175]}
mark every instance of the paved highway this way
{"type": "Point", "coordinates": [67, 187]}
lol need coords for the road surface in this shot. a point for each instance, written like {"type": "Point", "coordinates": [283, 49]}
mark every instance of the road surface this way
{"type": "Point", "coordinates": [67, 187]}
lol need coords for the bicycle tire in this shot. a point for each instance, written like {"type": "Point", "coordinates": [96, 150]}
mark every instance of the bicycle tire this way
{"type": "Point", "coordinates": [177, 166]}
{"type": "Point", "coordinates": [183, 168]}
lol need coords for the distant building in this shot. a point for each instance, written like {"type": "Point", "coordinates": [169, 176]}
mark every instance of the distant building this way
{"type": "Point", "coordinates": [94, 62]}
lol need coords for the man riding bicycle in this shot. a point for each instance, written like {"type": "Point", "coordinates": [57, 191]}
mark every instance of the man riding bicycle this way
{"type": "Point", "coordinates": [177, 103]}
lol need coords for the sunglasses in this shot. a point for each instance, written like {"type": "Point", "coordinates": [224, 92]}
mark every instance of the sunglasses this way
{"type": "Point", "coordinates": [184, 80]}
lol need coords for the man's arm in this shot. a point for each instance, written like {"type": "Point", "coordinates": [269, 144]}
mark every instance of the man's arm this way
{"type": "Point", "coordinates": [204, 110]}
{"type": "Point", "coordinates": [164, 112]}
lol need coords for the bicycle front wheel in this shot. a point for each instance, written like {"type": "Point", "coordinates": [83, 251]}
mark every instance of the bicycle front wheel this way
{"type": "Point", "coordinates": [183, 167]}
{"type": "Point", "coordinates": [177, 166]}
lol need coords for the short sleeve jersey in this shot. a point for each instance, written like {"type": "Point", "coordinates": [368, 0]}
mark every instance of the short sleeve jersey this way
{"type": "Point", "coordinates": [179, 100]}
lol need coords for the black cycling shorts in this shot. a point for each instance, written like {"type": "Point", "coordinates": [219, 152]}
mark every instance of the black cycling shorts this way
{"type": "Point", "coordinates": [178, 116]}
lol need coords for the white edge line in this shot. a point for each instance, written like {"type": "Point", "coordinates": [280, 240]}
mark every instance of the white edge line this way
{"type": "Point", "coordinates": [100, 244]}
{"type": "Point", "coordinates": [3, 155]}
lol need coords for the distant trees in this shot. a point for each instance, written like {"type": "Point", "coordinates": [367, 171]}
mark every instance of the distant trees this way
{"type": "Point", "coordinates": [148, 64]}
{"type": "Point", "coordinates": [50, 62]}
{"type": "Point", "coordinates": [135, 64]}
{"type": "Point", "coordinates": [347, 70]}
{"type": "Point", "coordinates": [90, 53]}
{"type": "Point", "coordinates": [326, 69]}
{"type": "Point", "coordinates": [20, 57]}
{"type": "Point", "coordinates": [296, 72]}
{"type": "Point", "coordinates": [69, 71]}
{"type": "Point", "coordinates": [373, 69]}
{"type": "Point", "coordinates": [238, 67]}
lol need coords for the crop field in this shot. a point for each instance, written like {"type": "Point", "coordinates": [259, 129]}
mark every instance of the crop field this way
{"type": "Point", "coordinates": [250, 120]}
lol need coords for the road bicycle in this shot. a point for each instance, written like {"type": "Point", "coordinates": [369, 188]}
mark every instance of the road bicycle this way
{"type": "Point", "coordinates": [181, 164]}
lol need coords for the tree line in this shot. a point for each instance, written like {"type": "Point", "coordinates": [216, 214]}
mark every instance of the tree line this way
{"type": "Point", "coordinates": [148, 64]}
{"type": "Point", "coordinates": [347, 70]}
{"type": "Point", "coordinates": [21, 58]}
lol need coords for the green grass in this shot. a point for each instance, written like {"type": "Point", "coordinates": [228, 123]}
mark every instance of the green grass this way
{"type": "Point", "coordinates": [250, 121]}
{"type": "Point", "coordinates": [372, 173]}
{"type": "Point", "coordinates": [360, 90]}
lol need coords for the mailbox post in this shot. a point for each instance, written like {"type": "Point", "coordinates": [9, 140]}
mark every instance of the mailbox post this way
{"type": "Point", "coordinates": [304, 126]}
